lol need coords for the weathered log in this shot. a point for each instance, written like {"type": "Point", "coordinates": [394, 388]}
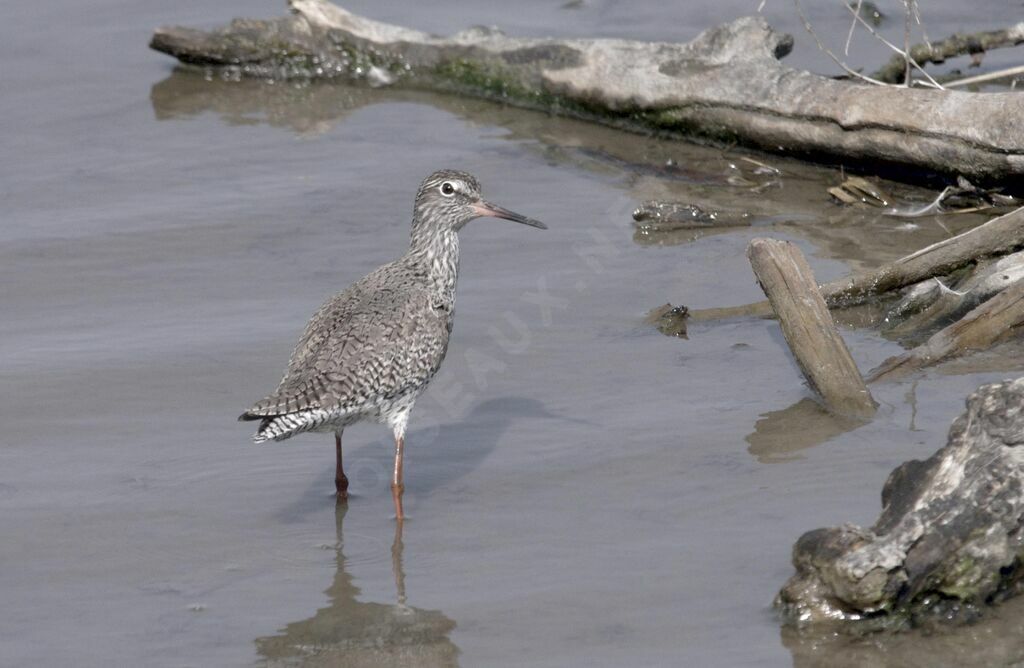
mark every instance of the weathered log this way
{"type": "Point", "coordinates": [951, 47]}
{"type": "Point", "coordinates": [932, 304]}
{"type": "Point", "coordinates": [811, 333]}
{"type": "Point", "coordinates": [727, 84]}
{"type": "Point", "coordinates": [996, 237]}
{"type": "Point", "coordinates": [948, 540]}
{"type": "Point", "coordinates": [988, 324]}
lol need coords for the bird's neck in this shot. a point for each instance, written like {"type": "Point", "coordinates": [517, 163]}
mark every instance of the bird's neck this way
{"type": "Point", "coordinates": [437, 252]}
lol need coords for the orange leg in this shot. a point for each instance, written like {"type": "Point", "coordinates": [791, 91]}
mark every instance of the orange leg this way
{"type": "Point", "coordinates": [340, 480]}
{"type": "Point", "coordinates": [397, 487]}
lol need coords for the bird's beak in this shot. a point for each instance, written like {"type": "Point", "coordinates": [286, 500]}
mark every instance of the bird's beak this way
{"type": "Point", "coordinates": [483, 208]}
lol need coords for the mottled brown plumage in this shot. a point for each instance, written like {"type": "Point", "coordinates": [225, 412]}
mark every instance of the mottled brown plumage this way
{"type": "Point", "coordinates": [370, 351]}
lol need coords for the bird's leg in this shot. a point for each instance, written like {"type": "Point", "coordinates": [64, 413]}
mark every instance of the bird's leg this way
{"type": "Point", "coordinates": [396, 564]}
{"type": "Point", "coordinates": [340, 480]}
{"type": "Point", "coordinates": [396, 483]}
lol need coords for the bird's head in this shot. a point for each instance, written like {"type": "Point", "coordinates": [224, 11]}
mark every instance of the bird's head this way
{"type": "Point", "coordinates": [448, 199]}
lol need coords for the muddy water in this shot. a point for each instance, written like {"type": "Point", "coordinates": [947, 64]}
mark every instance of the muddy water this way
{"type": "Point", "coordinates": [583, 490]}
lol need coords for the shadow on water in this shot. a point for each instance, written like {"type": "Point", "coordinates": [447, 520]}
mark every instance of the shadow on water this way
{"type": "Point", "coordinates": [349, 632]}
{"type": "Point", "coordinates": [436, 456]}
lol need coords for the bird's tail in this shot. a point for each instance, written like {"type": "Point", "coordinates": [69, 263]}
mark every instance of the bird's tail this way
{"type": "Point", "coordinates": [280, 427]}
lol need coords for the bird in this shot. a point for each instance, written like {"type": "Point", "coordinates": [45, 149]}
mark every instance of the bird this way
{"type": "Point", "coordinates": [369, 352]}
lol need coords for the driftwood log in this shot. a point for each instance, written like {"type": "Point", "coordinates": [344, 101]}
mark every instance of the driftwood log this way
{"type": "Point", "coordinates": [819, 350]}
{"type": "Point", "coordinates": [948, 542]}
{"type": "Point", "coordinates": [935, 303]}
{"type": "Point", "coordinates": [983, 327]}
{"type": "Point", "coordinates": [727, 84]}
{"type": "Point", "coordinates": [996, 237]}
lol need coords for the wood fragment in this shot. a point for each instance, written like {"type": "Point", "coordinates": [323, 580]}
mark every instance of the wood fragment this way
{"type": "Point", "coordinates": [998, 236]}
{"type": "Point", "coordinates": [819, 350]}
{"type": "Point", "coordinates": [669, 320]}
{"type": "Point", "coordinates": [988, 324]}
{"type": "Point", "coordinates": [955, 45]}
{"type": "Point", "coordinates": [995, 237]}
{"type": "Point", "coordinates": [857, 190]}
{"type": "Point", "coordinates": [760, 309]}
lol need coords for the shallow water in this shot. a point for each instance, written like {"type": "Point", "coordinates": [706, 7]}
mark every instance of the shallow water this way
{"type": "Point", "coordinates": [583, 490]}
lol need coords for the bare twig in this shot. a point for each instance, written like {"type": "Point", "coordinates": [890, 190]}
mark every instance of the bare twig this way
{"type": "Point", "coordinates": [906, 42]}
{"type": "Point", "coordinates": [853, 24]}
{"type": "Point", "coordinates": [824, 49]}
{"type": "Point", "coordinates": [920, 23]}
{"type": "Point", "coordinates": [950, 47]}
{"type": "Point", "coordinates": [857, 18]}
{"type": "Point", "coordinates": [901, 53]}
{"type": "Point", "coordinates": [989, 76]}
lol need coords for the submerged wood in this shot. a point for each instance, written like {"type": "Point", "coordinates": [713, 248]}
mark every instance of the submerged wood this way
{"type": "Point", "coordinates": [669, 320]}
{"type": "Point", "coordinates": [657, 215]}
{"type": "Point", "coordinates": [760, 309]}
{"type": "Point", "coordinates": [727, 84]}
{"type": "Point", "coordinates": [811, 333]}
{"type": "Point", "coordinates": [947, 542]}
{"type": "Point", "coordinates": [981, 328]}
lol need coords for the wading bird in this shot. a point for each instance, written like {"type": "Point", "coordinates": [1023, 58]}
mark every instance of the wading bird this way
{"type": "Point", "coordinates": [370, 351]}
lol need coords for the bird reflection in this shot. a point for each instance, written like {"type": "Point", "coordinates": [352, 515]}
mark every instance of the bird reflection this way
{"type": "Point", "coordinates": [349, 632]}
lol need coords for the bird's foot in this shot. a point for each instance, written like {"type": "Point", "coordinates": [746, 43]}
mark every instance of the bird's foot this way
{"type": "Point", "coordinates": [396, 494]}
{"type": "Point", "coordinates": [341, 485]}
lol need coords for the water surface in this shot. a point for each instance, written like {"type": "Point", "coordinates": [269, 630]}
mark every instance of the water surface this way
{"type": "Point", "coordinates": [583, 490]}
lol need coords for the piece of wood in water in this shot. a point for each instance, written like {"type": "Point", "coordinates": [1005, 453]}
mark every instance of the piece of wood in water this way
{"type": "Point", "coordinates": [810, 331]}
{"type": "Point", "coordinates": [988, 324]}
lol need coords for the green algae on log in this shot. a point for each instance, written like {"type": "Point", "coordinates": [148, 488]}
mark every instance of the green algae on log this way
{"type": "Point", "coordinates": [727, 84]}
{"type": "Point", "coordinates": [948, 541]}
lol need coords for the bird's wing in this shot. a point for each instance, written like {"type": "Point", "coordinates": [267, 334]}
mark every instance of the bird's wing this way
{"type": "Point", "coordinates": [361, 345]}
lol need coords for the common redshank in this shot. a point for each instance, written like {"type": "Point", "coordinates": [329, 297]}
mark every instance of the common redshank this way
{"type": "Point", "coordinates": [370, 351]}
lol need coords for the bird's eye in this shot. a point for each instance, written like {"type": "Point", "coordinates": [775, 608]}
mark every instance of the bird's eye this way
{"type": "Point", "coordinates": [447, 189]}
